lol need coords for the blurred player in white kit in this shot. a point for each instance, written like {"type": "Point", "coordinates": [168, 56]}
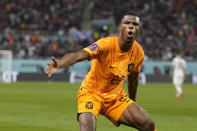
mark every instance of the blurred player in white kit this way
{"type": "Point", "coordinates": [178, 74]}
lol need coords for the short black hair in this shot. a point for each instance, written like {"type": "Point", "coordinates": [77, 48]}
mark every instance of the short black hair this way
{"type": "Point", "coordinates": [137, 18]}
{"type": "Point", "coordinates": [125, 12]}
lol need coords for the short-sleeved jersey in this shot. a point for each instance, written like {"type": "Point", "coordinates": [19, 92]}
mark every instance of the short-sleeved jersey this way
{"type": "Point", "coordinates": [110, 67]}
{"type": "Point", "coordinates": [179, 65]}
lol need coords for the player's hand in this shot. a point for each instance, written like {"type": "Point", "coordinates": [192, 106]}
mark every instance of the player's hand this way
{"type": "Point", "coordinates": [52, 67]}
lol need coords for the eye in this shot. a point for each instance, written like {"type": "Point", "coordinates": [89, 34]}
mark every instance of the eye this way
{"type": "Point", "coordinates": [126, 22]}
{"type": "Point", "coordinates": [135, 24]}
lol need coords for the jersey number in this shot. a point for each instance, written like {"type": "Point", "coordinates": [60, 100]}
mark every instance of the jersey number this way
{"type": "Point", "coordinates": [124, 99]}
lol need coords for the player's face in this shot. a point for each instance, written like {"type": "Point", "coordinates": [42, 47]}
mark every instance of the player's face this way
{"type": "Point", "coordinates": [129, 28]}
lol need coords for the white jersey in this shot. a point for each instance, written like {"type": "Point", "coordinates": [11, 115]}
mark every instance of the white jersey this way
{"type": "Point", "coordinates": [179, 65]}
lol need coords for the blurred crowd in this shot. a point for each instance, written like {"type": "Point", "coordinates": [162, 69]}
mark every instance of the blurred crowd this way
{"type": "Point", "coordinates": [38, 28]}
{"type": "Point", "coordinates": [46, 15]}
{"type": "Point", "coordinates": [41, 28]}
{"type": "Point", "coordinates": [167, 26]}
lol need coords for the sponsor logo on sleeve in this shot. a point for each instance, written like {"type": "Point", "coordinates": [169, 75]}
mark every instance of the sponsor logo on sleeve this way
{"type": "Point", "coordinates": [89, 105]}
{"type": "Point", "coordinates": [93, 47]}
{"type": "Point", "coordinates": [131, 67]}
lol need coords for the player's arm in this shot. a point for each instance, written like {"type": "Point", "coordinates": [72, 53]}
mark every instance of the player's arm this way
{"type": "Point", "coordinates": [132, 85]}
{"type": "Point", "coordinates": [133, 79]}
{"type": "Point", "coordinates": [184, 72]}
{"type": "Point", "coordinates": [172, 71]}
{"type": "Point", "coordinates": [67, 60]}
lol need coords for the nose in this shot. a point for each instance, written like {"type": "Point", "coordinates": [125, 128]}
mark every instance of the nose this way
{"type": "Point", "coordinates": [130, 27]}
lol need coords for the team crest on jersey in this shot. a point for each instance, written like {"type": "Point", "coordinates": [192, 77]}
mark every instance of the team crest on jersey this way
{"type": "Point", "coordinates": [131, 67]}
{"type": "Point", "coordinates": [89, 105]}
{"type": "Point", "coordinates": [93, 47]}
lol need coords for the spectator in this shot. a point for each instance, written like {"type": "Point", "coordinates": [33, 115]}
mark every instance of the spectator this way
{"type": "Point", "coordinates": [29, 23]}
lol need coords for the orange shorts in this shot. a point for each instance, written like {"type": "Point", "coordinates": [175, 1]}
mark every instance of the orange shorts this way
{"type": "Point", "coordinates": [96, 105]}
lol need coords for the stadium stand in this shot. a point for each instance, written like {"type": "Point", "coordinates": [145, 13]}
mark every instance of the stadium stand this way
{"type": "Point", "coordinates": [167, 25]}
{"type": "Point", "coordinates": [42, 28]}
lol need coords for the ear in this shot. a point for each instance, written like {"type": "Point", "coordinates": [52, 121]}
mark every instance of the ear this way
{"type": "Point", "coordinates": [138, 30]}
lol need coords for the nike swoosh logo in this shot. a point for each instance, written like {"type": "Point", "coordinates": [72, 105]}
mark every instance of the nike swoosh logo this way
{"type": "Point", "coordinates": [111, 66]}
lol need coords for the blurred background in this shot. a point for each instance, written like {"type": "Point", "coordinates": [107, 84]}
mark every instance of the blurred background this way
{"type": "Point", "coordinates": [36, 30]}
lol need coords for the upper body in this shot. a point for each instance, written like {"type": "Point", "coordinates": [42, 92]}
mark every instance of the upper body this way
{"type": "Point", "coordinates": [179, 65]}
{"type": "Point", "coordinates": [110, 67]}
{"type": "Point", "coordinates": [109, 52]}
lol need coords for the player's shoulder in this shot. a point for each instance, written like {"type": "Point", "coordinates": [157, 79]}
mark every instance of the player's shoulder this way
{"type": "Point", "coordinates": [176, 59]}
{"type": "Point", "coordinates": [184, 61]}
{"type": "Point", "coordinates": [108, 41]}
{"type": "Point", "coordinates": [138, 48]}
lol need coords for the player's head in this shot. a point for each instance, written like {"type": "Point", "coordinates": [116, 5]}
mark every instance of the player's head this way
{"type": "Point", "coordinates": [178, 53]}
{"type": "Point", "coordinates": [129, 27]}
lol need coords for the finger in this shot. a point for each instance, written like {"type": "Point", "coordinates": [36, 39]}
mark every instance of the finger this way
{"type": "Point", "coordinates": [54, 62]}
{"type": "Point", "coordinates": [54, 59]}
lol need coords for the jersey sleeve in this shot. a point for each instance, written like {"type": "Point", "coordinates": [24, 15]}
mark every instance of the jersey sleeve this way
{"type": "Point", "coordinates": [141, 59]}
{"type": "Point", "coordinates": [97, 49]}
{"type": "Point", "coordinates": [140, 64]}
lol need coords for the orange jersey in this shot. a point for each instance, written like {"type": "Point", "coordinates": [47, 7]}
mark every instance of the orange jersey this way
{"type": "Point", "coordinates": [110, 67]}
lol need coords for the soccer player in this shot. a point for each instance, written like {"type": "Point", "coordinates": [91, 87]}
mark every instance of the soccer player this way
{"type": "Point", "coordinates": [113, 59]}
{"type": "Point", "coordinates": [178, 68]}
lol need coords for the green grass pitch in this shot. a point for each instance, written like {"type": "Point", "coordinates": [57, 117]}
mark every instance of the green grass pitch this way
{"type": "Point", "coordinates": [51, 106]}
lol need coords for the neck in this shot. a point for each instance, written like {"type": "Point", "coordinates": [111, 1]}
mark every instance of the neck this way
{"type": "Point", "coordinates": [125, 45]}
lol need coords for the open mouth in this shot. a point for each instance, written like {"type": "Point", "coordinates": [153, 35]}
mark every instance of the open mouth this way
{"type": "Point", "coordinates": [130, 34]}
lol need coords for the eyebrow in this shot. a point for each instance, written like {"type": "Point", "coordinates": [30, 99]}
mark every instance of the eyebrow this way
{"type": "Point", "coordinates": [136, 23]}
